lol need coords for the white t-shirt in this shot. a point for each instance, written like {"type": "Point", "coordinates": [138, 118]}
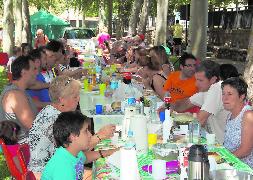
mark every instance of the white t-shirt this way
{"type": "Point", "coordinates": [48, 76]}
{"type": "Point", "coordinates": [211, 102]}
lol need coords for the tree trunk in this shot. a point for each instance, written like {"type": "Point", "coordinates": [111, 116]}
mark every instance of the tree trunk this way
{"type": "Point", "coordinates": [101, 14]}
{"type": "Point", "coordinates": [161, 22]}
{"type": "Point", "coordinates": [77, 19]}
{"type": "Point", "coordinates": [110, 9]}
{"type": "Point", "coordinates": [144, 17]}
{"type": "Point", "coordinates": [198, 28]}
{"type": "Point", "coordinates": [248, 72]}
{"type": "Point", "coordinates": [119, 22]}
{"type": "Point", "coordinates": [134, 17]}
{"type": "Point", "coordinates": [27, 34]}
{"type": "Point", "coordinates": [8, 27]}
{"type": "Point", "coordinates": [18, 22]}
{"type": "Point", "coordinates": [83, 25]}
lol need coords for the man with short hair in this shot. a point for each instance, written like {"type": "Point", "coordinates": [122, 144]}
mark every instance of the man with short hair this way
{"type": "Point", "coordinates": [15, 104]}
{"type": "Point", "coordinates": [40, 96]}
{"type": "Point", "coordinates": [56, 61]}
{"type": "Point", "coordinates": [212, 114]}
{"type": "Point", "coordinates": [53, 51]}
{"type": "Point", "coordinates": [181, 84]}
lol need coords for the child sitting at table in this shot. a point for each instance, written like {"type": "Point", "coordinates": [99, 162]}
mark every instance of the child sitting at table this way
{"type": "Point", "coordinates": [72, 137]}
{"type": "Point", "coordinates": [8, 133]}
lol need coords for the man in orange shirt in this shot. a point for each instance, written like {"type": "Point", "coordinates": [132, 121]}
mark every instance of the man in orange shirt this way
{"type": "Point", "coordinates": [181, 84]}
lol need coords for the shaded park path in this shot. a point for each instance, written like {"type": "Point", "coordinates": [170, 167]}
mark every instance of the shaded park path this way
{"type": "Point", "coordinates": [238, 64]}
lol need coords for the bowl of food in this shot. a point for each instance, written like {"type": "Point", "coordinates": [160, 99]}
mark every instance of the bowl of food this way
{"type": "Point", "coordinates": [116, 106]}
{"type": "Point", "coordinates": [217, 157]}
{"type": "Point", "coordinates": [166, 151]}
{"type": "Point", "coordinates": [182, 118]}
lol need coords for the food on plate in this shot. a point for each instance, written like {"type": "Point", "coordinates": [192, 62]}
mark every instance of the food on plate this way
{"type": "Point", "coordinates": [116, 106]}
{"type": "Point", "coordinates": [216, 156]}
{"type": "Point", "coordinates": [182, 117]}
{"type": "Point", "coordinates": [148, 92]}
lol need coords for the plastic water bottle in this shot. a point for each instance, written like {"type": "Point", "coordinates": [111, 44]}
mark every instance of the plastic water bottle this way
{"type": "Point", "coordinates": [194, 127]}
{"type": "Point", "coordinates": [98, 69]}
{"type": "Point", "coordinates": [114, 82]}
{"type": "Point", "coordinates": [130, 142]}
{"type": "Point", "coordinates": [167, 125]}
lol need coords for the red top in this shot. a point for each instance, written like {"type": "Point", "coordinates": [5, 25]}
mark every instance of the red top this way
{"type": "Point", "coordinates": [41, 41]}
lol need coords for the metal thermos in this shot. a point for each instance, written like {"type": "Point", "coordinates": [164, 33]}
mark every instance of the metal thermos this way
{"type": "Point", "coordinates": [198, 163]}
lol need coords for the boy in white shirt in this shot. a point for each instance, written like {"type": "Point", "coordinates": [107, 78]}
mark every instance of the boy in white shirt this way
{"type": "Point", "coordinates": [212, 115]}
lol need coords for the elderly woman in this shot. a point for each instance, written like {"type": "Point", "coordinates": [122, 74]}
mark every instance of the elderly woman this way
{"type": "Point", "coordinates": [239, 127]}
{"type": "Point", "coordinates": [64, 93]}
{"type": "Point", "coordinates": [160, 68]}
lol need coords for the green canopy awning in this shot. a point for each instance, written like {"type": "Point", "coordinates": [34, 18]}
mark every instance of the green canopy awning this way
{"type": "Point", "coordinates": [52, 25]}
{"type": "Point", "coordinates": [44, 18]}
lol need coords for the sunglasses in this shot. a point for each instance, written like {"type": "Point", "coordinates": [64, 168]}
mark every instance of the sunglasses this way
{"type": "Point", "coordinates": [68, 81]}
{"type": "Point", "coordinates": [190, 65]}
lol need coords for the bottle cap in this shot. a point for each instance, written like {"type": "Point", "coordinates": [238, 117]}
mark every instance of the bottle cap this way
{"type": "Point", "coordinates": [127, 75]}
{"type": "Point", "coordinates": [130, 133]}
{"type": "Point", "coordinates": [167, 99]}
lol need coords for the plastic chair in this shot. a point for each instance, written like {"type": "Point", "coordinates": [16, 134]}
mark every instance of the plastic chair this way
{"type": "Point", "coordinates": [4, 59]}
{"type": "Point", "coordinates": [23, 157]}
{"type": "Point", "coordinates": [10, 162]}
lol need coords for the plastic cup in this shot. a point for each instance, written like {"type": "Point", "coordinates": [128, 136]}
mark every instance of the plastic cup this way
{"type": "Point", "coordinates": [113, 68]}
{"type": "Point", "coordinates": [90, 87]}
{"type": "Point", "coordinates": [158, 169]}
{"type": "Point", "coordinates": [152, 139]}
{"type": "Point", "coordinates": [210, 139]}
{"type": "Point", "coordinates": [85, 84]}
{"type": "Point", "coordinates": [86, 65]}
{"type": "Point", "coordinates": [99, 109]}
{"type": "Point", "coordinates": [102, 88]}
{"type": "Point", "coordinates": [115, 139]}
{"type": "Point", "coordinates": [100, 52]}
{"type": "Point", "coordinates": [162, 116]}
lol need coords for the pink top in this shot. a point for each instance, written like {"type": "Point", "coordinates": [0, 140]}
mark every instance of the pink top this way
{"type": "Point", "coordinates": [102, 37]}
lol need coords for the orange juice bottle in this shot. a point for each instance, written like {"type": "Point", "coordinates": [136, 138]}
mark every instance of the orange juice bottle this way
{"type": "Point", "coordinates": [94, 80]}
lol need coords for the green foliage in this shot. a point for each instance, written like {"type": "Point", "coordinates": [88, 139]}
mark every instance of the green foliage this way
{"type": "Point", "coordinates": [91, 7]}
{"type": "Point", "coordinates": [175, 62]}
{"type": "Point", "coordinates": [4, 174]}
{"type": "Point", "coordinates": [3, 80]}
{"type": "Point", "coordinates": [55, 6]}
{"type": "Point", "coordinates": [146, 102]}
{"type": "Point", "coordinates": [224, 3]}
